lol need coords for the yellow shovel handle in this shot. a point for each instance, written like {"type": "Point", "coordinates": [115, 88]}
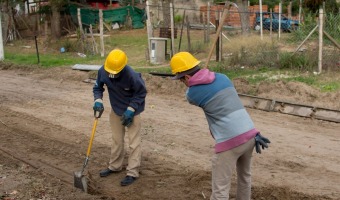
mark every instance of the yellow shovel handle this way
{"type": "Point", "coordinates": [92, 136]}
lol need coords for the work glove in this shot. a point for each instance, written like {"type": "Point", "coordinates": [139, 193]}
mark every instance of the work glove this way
{"type": "Point", "coordinates": [127, 117]}
{"type": "Point", "coordinates": [260, 141]}
{"type": "Point", "coordinates": [98, 105]}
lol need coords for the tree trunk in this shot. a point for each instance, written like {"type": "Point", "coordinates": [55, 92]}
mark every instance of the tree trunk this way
{"type": "Point", "coordinates": [55, 22]}
{"type": "Point", "coordinates": [5, 19]}
{"type": "Point", "coordinates": [166, 13]}
{"type": "Point", "coordinates": [244, 15]}
{"type": "Point", "coordinates": [290, 10]}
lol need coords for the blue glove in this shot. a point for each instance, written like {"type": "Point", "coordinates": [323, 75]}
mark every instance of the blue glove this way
{"type": "Point", "coordinates": [98, 105]}
{"type": "Point", "coordinates": [260, 141]}
{"type": "Point", "coordinates": [127, 118]}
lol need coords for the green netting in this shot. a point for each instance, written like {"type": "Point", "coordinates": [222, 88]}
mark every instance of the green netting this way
{"type": "Point", "coordinates": [116, 15]}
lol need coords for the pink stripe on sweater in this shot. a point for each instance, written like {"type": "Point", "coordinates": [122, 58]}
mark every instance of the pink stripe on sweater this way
{"type": "Point", "coordinates": [236, 141]}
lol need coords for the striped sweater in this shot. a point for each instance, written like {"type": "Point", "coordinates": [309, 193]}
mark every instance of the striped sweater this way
{"type": "Point", "coordinates": [229, 122]}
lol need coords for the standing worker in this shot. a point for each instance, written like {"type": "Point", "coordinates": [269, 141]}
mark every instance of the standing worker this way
{"type": "Point", "coordinates": [127, 94]}
{"type": "Point", "coordinates": [229, 123]}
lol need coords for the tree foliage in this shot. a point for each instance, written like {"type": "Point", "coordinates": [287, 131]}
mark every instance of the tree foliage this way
{"type": "Point", "coordinates": [314, 5]}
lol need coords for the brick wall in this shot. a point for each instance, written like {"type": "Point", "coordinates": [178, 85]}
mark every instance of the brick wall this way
{"type": "Point", "coordinates": [234, 17]}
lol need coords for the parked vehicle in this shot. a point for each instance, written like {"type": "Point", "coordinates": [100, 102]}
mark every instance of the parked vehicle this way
{"type": "Point", "coordinates": [287, 25]}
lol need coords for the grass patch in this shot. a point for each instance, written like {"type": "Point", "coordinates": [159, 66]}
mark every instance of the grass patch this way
{"type": "Point", "coordinates": [50, 60]}
{"type": "Point", "coordinates": [325, 82]}
{"type": "Point", "coordinates": [325, 85]}
{"type": "Point", "coordinates": [252, 51]}
{"type": "Point", "coordinates": [309, 80]}
{"type": "Point", "coordinates": [302, 62]}
{"type": "Point", "coordinates": [330, 87]}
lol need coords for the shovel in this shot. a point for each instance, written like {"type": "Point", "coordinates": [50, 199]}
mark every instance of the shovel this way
{"type": "Point", "coordinates": [80, 181]}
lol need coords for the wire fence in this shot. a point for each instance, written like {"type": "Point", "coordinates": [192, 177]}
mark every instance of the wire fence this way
{"type": "Point", "coordinates": [281, 42]}
{"type": "Point", "coordinates": [276, 41]}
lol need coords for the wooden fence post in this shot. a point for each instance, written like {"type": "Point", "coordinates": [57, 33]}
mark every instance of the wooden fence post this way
{"type": "Point", "coordinates": [148, 28]}
{"type": "Point", "coordinates": [188, 33]}
{"type": "Point", "coordinates": [280, 13]}
{"type": "Point", "coordinates": [300, 11]}
{"type": "Point", "coordinates": [101, 30]}
{"type": "Point", "coordinates": [1, 41]}
{"type": "Point", "coordinates": [261, 18]}
{"type": "Point", "coordinates": [208, 18]}
{"type": "Point", "coordinates": [320, 40]}
{"type": "Point", "coordinates": [173, 51]}
{"type": "Point", "coordinates": [79, 21]}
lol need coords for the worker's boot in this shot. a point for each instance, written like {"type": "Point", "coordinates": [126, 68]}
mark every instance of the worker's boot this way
{"type": "Point", "coordinates": [107, 172]}
{"type": "Point", "coordinates": [127, 180]}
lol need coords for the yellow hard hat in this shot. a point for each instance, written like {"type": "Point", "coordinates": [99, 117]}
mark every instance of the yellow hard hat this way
{"type": "Point", "coordinates": [115, 61]}
{"type": "Point", "coordinates": [183, 61]}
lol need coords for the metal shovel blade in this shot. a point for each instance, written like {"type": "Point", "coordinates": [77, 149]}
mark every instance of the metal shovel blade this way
{"type": "Point", "coordinates": [80, 181]}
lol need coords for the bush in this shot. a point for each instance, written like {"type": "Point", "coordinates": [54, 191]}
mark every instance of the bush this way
{"type": "Point", "coordinates": [301, 62]}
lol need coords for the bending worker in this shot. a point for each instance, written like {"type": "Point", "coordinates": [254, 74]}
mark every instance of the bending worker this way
{"type": "Point", "coordinates": [229, 123]}
{"type": "Point", "coordinates": [127, 93]}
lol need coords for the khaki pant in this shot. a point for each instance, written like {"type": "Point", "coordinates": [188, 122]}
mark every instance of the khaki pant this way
{"type": "Point", "coordinates": [117, 148]}
{"type": "Point", "coordinates": [223, 165]}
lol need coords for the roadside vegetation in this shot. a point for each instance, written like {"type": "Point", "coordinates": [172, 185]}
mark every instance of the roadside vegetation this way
{"type": "Point", "coordinates": [248, 58]}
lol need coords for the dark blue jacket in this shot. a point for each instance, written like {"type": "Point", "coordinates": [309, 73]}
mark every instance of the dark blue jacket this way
{"type": "Point", "coordinates": [126, 90]}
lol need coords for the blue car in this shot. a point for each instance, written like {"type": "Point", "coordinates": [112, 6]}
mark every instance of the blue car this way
{"type": "Point", "coordinates": [287, 25]}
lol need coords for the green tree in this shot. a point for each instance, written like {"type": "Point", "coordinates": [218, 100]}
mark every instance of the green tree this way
{"type": "Point", "coordinates": [314, 5]}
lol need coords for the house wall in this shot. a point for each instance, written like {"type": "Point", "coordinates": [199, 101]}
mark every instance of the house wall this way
{"type": "Point", "coordinates": [233, 18]}
{"type": "Point", "coordinates": [196, 11]}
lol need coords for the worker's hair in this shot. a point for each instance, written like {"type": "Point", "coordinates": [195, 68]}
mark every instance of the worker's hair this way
{"type": "Point", "coordinates": [196, 69]}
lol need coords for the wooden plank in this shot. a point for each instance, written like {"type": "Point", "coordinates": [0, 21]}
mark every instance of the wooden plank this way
{"type": "Point", "coordinates": [86, 67]}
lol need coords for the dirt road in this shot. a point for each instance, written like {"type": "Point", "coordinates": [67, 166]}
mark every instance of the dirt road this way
{"type": "Point", "coordinates": [46, 119]}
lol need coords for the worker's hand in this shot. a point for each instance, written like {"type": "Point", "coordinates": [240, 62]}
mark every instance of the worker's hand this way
{"type": "Point", "coordinates": [260, 141]}
{"type": "Point", "coordinates": [127, 117]}
{"type": "Point", "coordinates": [98, 105]}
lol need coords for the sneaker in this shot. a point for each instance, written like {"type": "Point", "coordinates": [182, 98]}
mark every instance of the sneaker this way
{"type": "Point", "coordinates": [127, 180]}
{"type": "Point", "coordinates": [107, 172]}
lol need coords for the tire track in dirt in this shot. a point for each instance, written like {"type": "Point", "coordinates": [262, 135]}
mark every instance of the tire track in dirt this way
{"type": "Point", "coordinates": [30, 136]}
{"type": "Point", "coordinates": [32, 145]}
{"type": "Point", "coordinates": [162, 176]}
